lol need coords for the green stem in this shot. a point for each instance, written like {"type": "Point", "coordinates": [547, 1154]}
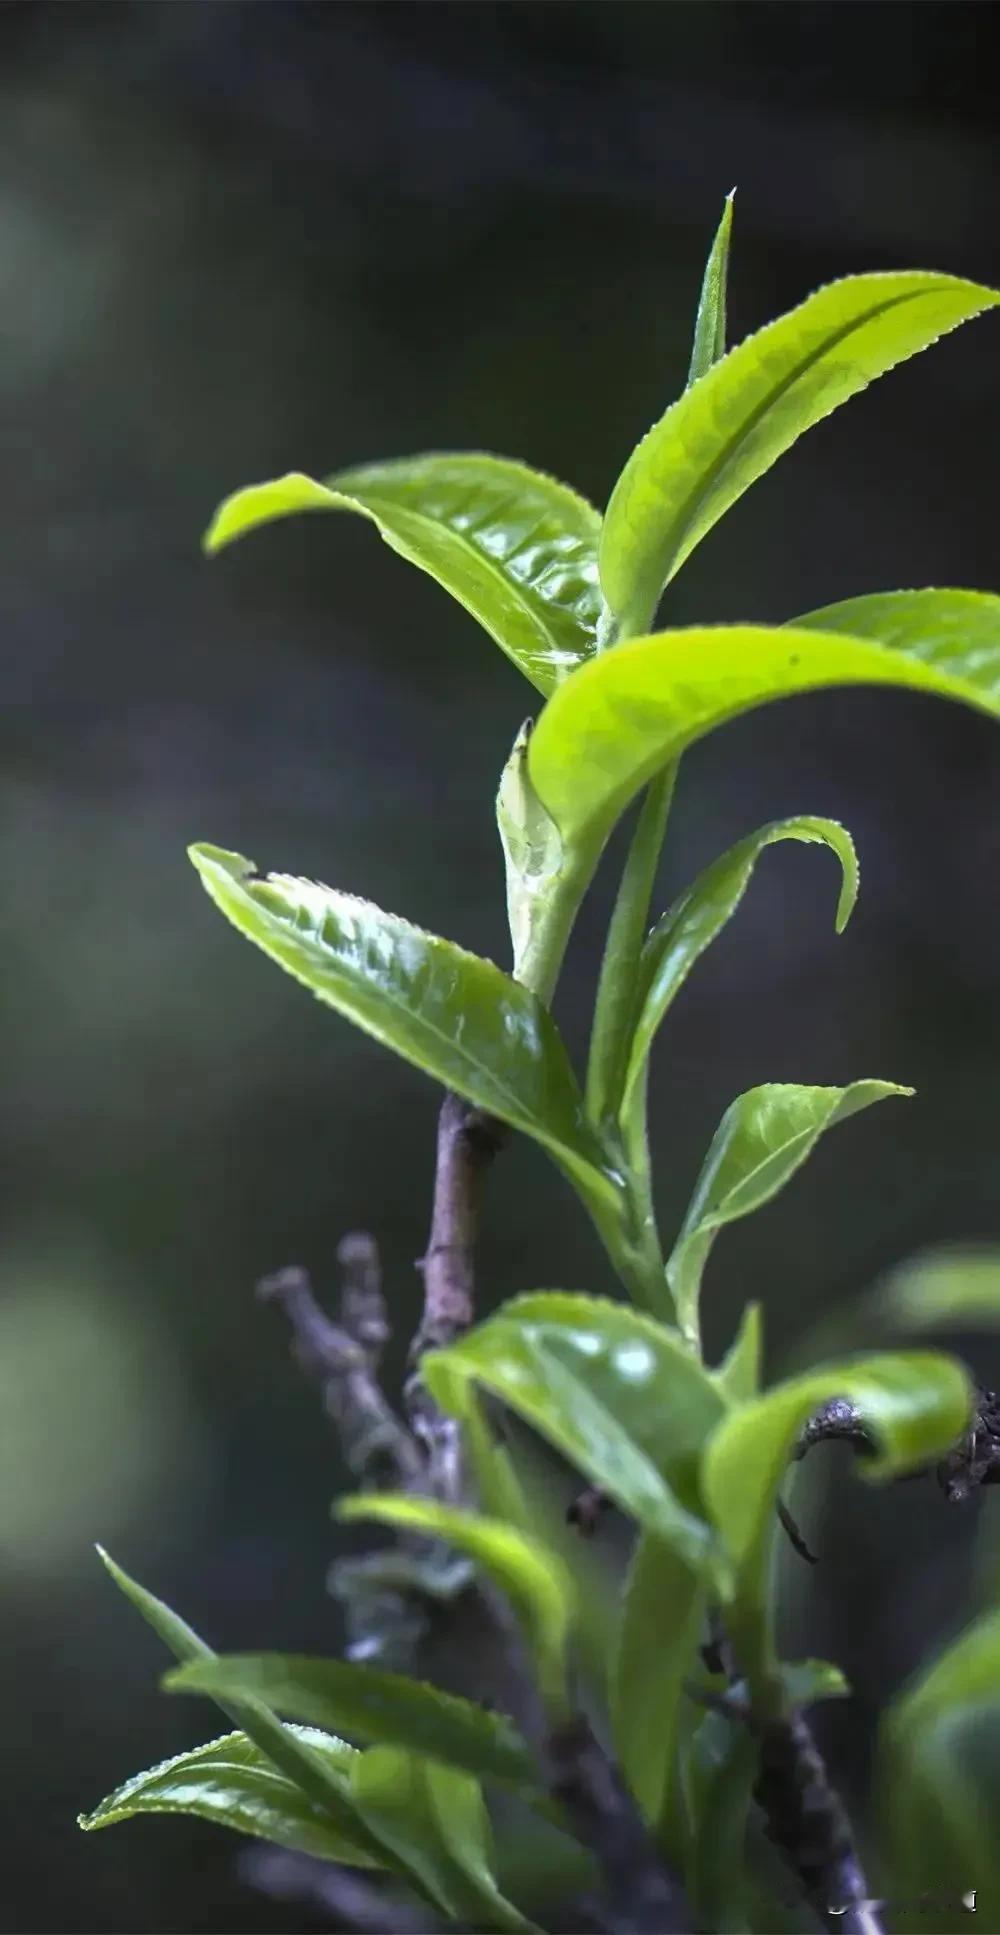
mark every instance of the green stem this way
{"type": "Point", "coordinates": [614, 1010]}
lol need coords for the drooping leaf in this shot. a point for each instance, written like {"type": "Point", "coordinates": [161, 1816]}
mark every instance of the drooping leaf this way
{"type": "Point", "coordinates": [532, 852]}
{"type": "Point", "coordinates": [947, 1288]}
{"type": "Point", "coordinates": [232, 1784]}
{"type": "Point", "coordinates": [710, 323]}
{"type": "Point", "coordinates": [914, 1406]}
{"type": "Point", "coordinates": [938, 1781]}
{"type": "Point", "coordinates": [618, 1394]}
{"type": "Point", "coordinates": [684, 932]}
{"type": "Point", "coordinates": [739, 1372]}
{"type": "Point", "coordinates": [661, 1620]}
{"type": "Point", "coordinates": [516, 548]}
{"type": "Point", "coordinates": [435, 1821]}
{"type": "Point", "coordinates": [538, 1586]}
{"type": "Point", "coordinates": [367, 1705]}
{"type": "Point", "coordinates": [452, 1014]}
{"type": "Point", "coordinates": [763, 1138]}
{"type": "Point", "coordinates": [733, 424]}
{"type": "Point", "coordinates": [620, 718]}
{"type": "Point", "coordinates": [297, 1758]}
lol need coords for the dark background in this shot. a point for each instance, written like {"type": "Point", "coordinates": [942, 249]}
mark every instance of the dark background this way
{"type": "Point", "coordinates": [236, 239]}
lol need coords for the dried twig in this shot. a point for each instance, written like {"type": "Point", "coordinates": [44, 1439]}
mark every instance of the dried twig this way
{"type": "Point", "coordinates": [467, 1142]}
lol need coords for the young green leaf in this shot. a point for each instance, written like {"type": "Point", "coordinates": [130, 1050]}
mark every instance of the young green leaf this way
{"type": "Point", "coordinates": [684, 932]}
{"type": "Point", "coordinates": [710, 323]}
{"type": "Point", "coordinates": [619, 1395]}
{"type": "Point", "coordinates": [454, 1015]}
{"type": "Point", "coordinates": [297, 1758]}
{"type": "Point", "coordinates": [763, 1138]}
{"type": "Point", "coordinates": [955, 631]}
{"type": "Point", "coordinates": [740, 417]}
{"type": "Point", "coordinates": [947, 1288]}
{"type": "Point", "coordinates": [516, 548]}
{"type": "Point", "coordinates": [938, 1776]}
{"type": "Point", "coordinates": [739, 1372]}
{"type": "Point", "coordinates": [435, 1822]}
{"type": "Point", "coordinates": [365, 1704]}
{"type": "Point", "coordinates": [532, 852]}
{"type": "Point", "coordinates": [662, 1614]}
{"type": "Point", "coordinates": [232, 1784]}
{"type": "Point", "coordinates": [537, 1584]}
{"type": "Point", "coordinates": [623, 716]}
{"type": "Point", "coordinates": [914, 1406]}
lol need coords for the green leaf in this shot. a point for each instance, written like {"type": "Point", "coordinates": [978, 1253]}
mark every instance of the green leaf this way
{"type": "Point", "coordinates": [516, 548]}
{"type": "Point", "coordinates": [537, 1584]}
{"type": "Point", "coordinates": [710, 323]}
{"type": "Point", "coordinates": [740, 417]}
{"type": "Point", "coordinates": [625, 714]}
{"type": "Point", "coordinates": [763, 1138]}
{"type": "Point", "coordinates": [806, 1681]}
{"type": "Point", "coordinates": [683, 933]}
{"type": "Point", "coordinates": [914, 1405]}
{"type": "Point", "coordinates": [739, 1372]}
{"type": "Point", "coordinates": [453, 1015]}
{"type": "Point", "coordinates": [661, 1621]}
{"type": "Point", "coordinates": [435, 1821]}
{"type": "Point", "coordinates": [938, 1777]}
{"type": "Point", "coordinates": [232, 1784]}
{"type": "Point", "coordinates": [619, 1395]}
{"type": "Point", "coordinates": [532, 852]}
{"type": "Point", "coordinates": [956, 1288]}
{"type": "Point", "coordinates": [285, 1747]}
{"type": "Point", "coordinates": [957, 632]}
{"type": "Point", "coordinates": [721, 1765]}
{"type": "Point", "coordinates": [365, 1704]}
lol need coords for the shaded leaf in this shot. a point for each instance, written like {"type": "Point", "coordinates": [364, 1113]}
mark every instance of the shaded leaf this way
{"type": "Point", "coordinates": [625, 714]}
{"type": "Point", "coordinates": [947, 1287]}
{"type": "Point", "coordinates": [661, 1623]}
{"type": "Point", "coordinates": [436, 1823]}
{"type": "Point", "coordinates": [710, 323]}
{"type": "Point", "coordinates": [232, 1784]}
{"type": "Point", "coordinates": [763, 1138]}
{"type": "Point", "coordinates": [537, 1584]}
{"type": "Point", "coordinates": [734, 423]}
{"type": "Point", "coordinates": [368, 1705]}
{"type": "Point", "coordinates": [739, 1372]}
{"type": "Point", "coordinates": [452, 1014]}
{"type": "Point", "coordinates": [914, 1406]}
{"type": "Point", "coordinates": [683, 933]}
{"type": "Point", "coordinates": [516, 548]}
{"type": "Point", "coordinates": [618, 1394]}
{"type": "Point", "coordinates": [721, 1765]}
{"type": "Point", "coordinates": [806, 1681]}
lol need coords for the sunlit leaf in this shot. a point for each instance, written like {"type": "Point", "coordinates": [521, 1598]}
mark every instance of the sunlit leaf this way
{"type": "Point", "coordinates": [452, 1014]}
{"type": "Point", "coordinates": [710, 323]}
{"type": "Point", "coordinates": [618, 1394]}
{"type": "Point", "coordinates": [938, 1780]}
{"type": "Point", "coordinates": [733, 424]}
{"type": "Point", "coordinates": [232, 1784]}
{"type": "Point", "coordinates": [763, 1138]}
{"type": "Point", "coordinates": [535, 1581]}
{"type": "Point", "coordinates": [953, 631]}
{"type": "Point", "coordinates": [364, 1704]}
{"type": "Point", "coordinates": [683, 933]}
{"type": "Point", "coordinates": [287, 1748]}
{"type": "Point", "coordinates": [516, 548]}
{"type": "Point", "coordinates": [625, 714]}
{"type": "Point", "coordinates": [661, 1623]}
{"type": "Point", "coordinates": [435, 1821]}
{"type": "Point", "coordinates": [913, 1405]}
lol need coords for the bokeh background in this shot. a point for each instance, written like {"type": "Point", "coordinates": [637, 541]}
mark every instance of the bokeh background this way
{"type": "Point", "coordinates": [236, 239]}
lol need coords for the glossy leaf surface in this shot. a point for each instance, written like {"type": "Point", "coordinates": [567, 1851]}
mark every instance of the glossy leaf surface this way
{"type": "Point", "coordinates": [624, 715]}
{"type": "Point", "coordinates": [710, 323]}
{"type": "Point", "coordinates": [532, 852]}
{"type": "Point", "coordinates": [232, 1784]}
{"type": "Point", "coordinates": [452, 1014]}
{"type": "Point", "coordinates": [285, 1747]}
{"type": "Point", "coordinates": [365, 1704]}
{"type": "Point", "coordinates": [733, 424]}
{"type": "Point", "coordinates": [681, 936]}
{"type": "Point", "coordinates": [763, 1138]}
{"type": "Point", "coordinates": [619, 1395]}
{"type": "Point", "coordinates": [938, 1778]}
{"type": "Point", "coordinates": [538, 1586]}
{"type": "Point", "coordinates": [956, 631]}
{"type": "Point", "coordinates": [436, 1824]}
{"type": "Point", "coordinates": [914, 1406]}
{"type": "Point", "coordinates": [516, 548]}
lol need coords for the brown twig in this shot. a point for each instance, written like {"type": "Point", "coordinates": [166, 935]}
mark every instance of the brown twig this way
{"type": "Point", "coordinates": [805, 1818]}
{"type": "Point", "coordinates": [973, 1462]}
{"type": "Point", "coordinates": [467, 1141]}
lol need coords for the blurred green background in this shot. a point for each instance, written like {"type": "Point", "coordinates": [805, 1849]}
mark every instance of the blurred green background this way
{"type": "Point", "coordinates": [239, 238]}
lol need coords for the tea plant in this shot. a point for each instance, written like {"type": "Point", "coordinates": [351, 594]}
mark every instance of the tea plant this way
{"type": "Point", "coordinates": [648, 1738]}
